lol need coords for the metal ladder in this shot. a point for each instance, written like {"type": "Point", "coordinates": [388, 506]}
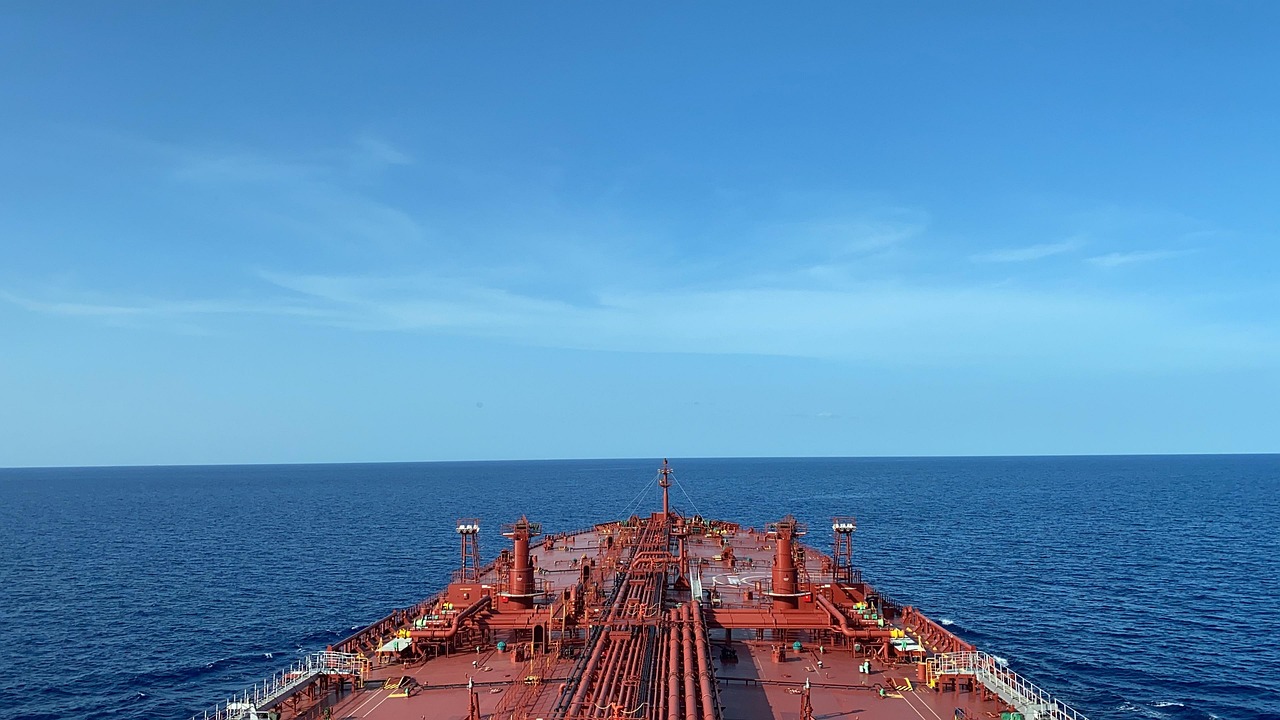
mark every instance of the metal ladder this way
{"type": "Point", "coordinates": [1033, 702]}
{"type": "Point", "coordinates": [249, 703]}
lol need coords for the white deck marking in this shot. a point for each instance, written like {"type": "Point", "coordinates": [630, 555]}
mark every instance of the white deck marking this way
{"type": "Point", "coordinates": [388, 697]}
{"type": "Point", "coordinates": [912, 706]}
{"type": "Point", "coordinates": [924, 704]}
{"type": "Point", "coordinates": [367, 700]}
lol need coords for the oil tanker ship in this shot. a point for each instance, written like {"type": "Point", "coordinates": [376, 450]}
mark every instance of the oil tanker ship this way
{"type": "Point", "coordinates": [657, 617]}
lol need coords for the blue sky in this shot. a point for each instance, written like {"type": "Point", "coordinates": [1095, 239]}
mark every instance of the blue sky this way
{"type": "Point", "coordinates": [314, 232]}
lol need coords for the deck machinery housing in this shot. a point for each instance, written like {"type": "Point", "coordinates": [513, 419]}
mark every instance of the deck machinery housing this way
{"type": "Point", "coordinates": [657, 617]}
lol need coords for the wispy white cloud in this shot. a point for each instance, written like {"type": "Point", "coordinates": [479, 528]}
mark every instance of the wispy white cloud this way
{"type": "Point", "coordinates": [812, 287]}
{"type": "Point", "coordinates": [847, 233]}
{"type": "Point", "coordinates": [161, 312]}
{"type": "Point", "coordinates": [860, 236]}
{"type": "Point", "coordinates": [74, 309]}
{"type": "Point", "coordinates": [320, 200]}
{"type": "Point", "coordinates": [379, 151]}
{"type": "Point", "coordinates": [1028, 253]}
{"type": "Point", "coordinates": [828, 251]}
{"type": "Point", "coordinates": [1116, 259]}
{"type": "Point", "coordinates": [899, 323]}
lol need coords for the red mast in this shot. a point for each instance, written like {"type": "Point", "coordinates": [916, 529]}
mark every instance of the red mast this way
{"type": "Point", "coordinates": [664, 480]}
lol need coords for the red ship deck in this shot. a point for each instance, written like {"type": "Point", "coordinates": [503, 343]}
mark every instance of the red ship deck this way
{"type": "Point", "coordinates": [663, 618]}
{"type": "Point", "coordinates": [752, 688]}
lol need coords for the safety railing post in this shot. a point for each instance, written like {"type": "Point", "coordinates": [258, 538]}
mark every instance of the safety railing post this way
{"type": "Point", "coordinates": [1030, 699]}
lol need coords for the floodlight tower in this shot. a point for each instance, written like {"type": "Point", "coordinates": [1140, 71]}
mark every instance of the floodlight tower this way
{"type": "Point", "coordinates": [842, 555]}
{"type": "Point", "coordinates": [469, 534]}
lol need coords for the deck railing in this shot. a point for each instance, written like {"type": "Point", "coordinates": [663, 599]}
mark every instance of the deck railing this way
{"type": "Point", "coordinates": [1030, 700]}
{"type": "Point", "coordinates": [255, 701]}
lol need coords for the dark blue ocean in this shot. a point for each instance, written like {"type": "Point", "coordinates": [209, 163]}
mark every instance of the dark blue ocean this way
{"type": "Point", "coordinates": [1132, 587]}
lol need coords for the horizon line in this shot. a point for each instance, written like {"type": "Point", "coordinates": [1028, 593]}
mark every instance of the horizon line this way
{"type": "Point", "coordinates": [1012, 456]}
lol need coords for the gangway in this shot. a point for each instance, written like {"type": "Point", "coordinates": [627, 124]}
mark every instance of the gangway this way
{"type": "Point", "coordinates": [256, 702]}
{"type": "Point", "coordinates": [994, 675]}
{"type": "Point", "coordinates": [695, 582]}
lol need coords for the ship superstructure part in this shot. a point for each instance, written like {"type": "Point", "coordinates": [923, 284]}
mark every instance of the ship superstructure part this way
{"type": "Point", "coordinates": [664, 616]}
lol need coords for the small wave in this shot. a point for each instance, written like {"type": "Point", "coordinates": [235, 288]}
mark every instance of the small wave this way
{"type": "Point", "coordinates": [1167, 703]}
{"type": "Point", "coordinates": [946, 621]}
{"type": "Point", "coordinates": [267, 655]}
{"type": "Point", "coordinates": [1002, 661]}
{"type": "Point", "coordinates": [140, 694]}
{"type": "Point", "coordinates": [187, 673]}
{"type": "Point", "coordinates": [1144, 711]}
{"type": "Point", "coordinates": [319, 636]}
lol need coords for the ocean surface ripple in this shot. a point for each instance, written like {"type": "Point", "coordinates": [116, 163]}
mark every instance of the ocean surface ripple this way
{"type": "Point", "coordinates": [1127, 586]}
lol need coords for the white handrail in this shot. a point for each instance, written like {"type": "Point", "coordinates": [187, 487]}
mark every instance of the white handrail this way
{"type": "Point", "coordinates": [1033, 702]}
{"type": "Point", "coordinates": [247, 703]}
